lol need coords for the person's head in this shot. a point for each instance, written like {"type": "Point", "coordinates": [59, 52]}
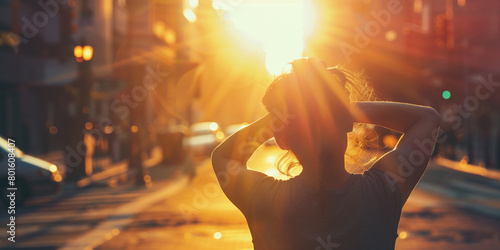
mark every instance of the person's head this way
{"type": "Point", "coordinates": [313, 103]}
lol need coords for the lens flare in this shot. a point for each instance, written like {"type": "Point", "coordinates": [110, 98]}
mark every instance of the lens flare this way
{"type": "Point", "coordinates": [279, 29]}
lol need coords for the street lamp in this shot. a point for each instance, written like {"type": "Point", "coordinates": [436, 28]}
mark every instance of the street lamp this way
{"type": "Point", "coordinates": [78, 52]}
{"type": "Point", "coordinates": [83, 53]}
{"type": "Point", "coordinates": [88, 51]}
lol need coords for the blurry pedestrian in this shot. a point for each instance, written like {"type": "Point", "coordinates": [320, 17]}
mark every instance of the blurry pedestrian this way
{"type": "Point", "coordinates": [312, 111]}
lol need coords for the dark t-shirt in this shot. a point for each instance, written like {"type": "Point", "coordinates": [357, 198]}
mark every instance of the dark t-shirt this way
{"type": "Point", "coordinates": [364, 214]}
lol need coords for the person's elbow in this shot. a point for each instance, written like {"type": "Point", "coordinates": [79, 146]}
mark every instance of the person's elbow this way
{"type": "Point", "coordinates": [216, 154]}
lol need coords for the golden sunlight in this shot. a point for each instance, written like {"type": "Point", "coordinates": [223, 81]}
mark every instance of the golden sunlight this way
{"type": "Point", "coordinates": [278, 27]}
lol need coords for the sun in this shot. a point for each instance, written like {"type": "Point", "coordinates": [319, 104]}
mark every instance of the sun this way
{"type": "Point", "coordinates": [278, 26]}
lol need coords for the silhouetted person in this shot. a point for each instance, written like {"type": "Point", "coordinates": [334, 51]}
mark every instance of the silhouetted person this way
{"type": "Point", "coordinates": [312, 111]}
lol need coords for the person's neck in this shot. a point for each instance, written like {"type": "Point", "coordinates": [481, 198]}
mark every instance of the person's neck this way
{"type": "Point", "coordinates": [333, 174]}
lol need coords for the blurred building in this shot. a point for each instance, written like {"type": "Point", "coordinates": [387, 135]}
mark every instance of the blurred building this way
{"type": "Point", "coordinates": [436, 53]}
{"type": "Point", "coordinates": [37, 63]}
{"type": "Point", "coordinates": [40, 77]}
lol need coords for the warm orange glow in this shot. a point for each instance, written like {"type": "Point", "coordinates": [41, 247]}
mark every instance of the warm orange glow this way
{"type": "Point", "coordinates": [461, 3]}
{"type": "Point", "coordinates": [280, 28]}
{"type": "Point", "coordinates": [390, 141]}
{"type": "Point", "coordinates": [217, 235]}
{"type": "Point", "coordinates": [78, 51]}
{"type": "Point", "coordinates": [219, 135]}
{"type": "Point", "coordinates": [271, 159]}
{"type": "Point", "coordinates": [88, 51]}
{"type": "Point", "coordinates": [57, 178]}
{"type": "Point", "coordinates": [134, 129]}
{"type": "Point", "coordinates": [463, 162]}
{"type": "Point", "coordinates": [189, 15]}
{"type": "Point", "coordinates": [89, 125]}
{"type": "Point", "coordinates": [158, 28]}
{"type": "Point", "coordinates": [108, 129]}
{"type": "Point", "coordinates": [391, 35]}
{"type": "Point", "coordinates": [403, 235]}
{"type": "Point", "coordinates": [417, 6]}
{"type": "Point", "coordinates": [169, 36]}
{"type": "Point", "coordinates": [272, 172]}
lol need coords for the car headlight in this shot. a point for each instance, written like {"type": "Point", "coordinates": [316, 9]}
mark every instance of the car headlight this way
{"type": "Point", "coordinates": [53, 168]}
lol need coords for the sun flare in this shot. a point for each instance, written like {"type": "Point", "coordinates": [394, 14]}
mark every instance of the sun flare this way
{"type": "Point", "coordinates": [277, 26]}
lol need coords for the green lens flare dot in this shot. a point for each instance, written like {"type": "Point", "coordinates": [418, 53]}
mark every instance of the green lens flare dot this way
{"type": "Point", "coordinates": [446, 94]}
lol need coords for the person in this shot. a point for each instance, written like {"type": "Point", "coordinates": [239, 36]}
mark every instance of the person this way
{"type": "Point", "coordinates": [312, 111]}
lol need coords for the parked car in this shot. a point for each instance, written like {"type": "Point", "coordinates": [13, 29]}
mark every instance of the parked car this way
{"type": "Point", "coordinates": [204, 137]}
{"type": "Point", "coordinates": [34, 177]}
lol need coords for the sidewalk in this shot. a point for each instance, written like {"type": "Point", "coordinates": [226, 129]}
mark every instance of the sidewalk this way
{"type": "Point", "coordinates": [471, 187]}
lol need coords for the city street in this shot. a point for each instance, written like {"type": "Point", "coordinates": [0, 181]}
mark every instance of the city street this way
{"type": "Point", "coordinates": [110, 110]}
{"type": "Point", "coordinates": [201, 217]}
{"type": "Point", "coordinates": [180, 214]}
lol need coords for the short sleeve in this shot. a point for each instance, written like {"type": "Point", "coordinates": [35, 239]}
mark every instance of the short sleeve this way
{"type": "Point", "coordinates": [261, 196]}
{"type": "Point", "coordinates": [387, 188]}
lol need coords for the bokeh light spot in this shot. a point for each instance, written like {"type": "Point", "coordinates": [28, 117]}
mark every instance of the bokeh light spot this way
{"type": "Point", "coordinates": [134, 129]}
{"type": "Point", "coordinates": [403, 235]}
{"type": "Point", "coordinates": [89, 125]}
{"type": "Point", "coordinates": [214, 126]}
{"type": "Point", "coordinates": [446, 94]}
{"type": "Point", "coordinates": [53, 130]}
{"type": "Point", "coordinates": [390, 141]}
{"type": "Point", "coordinates": [217, 235]}
{"type": "Point", "coordinates": [391, 35]}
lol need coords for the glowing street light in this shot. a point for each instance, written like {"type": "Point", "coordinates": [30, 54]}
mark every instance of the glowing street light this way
{"type": "Point", "coordinates": [83, 53]}
{"type": "Point", "coordinates": [88, 51]}
{"type": "Point", "coordinates": [78, 51]}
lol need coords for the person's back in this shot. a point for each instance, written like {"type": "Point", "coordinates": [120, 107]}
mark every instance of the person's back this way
{"type": "Point", "coordinates": [290, 214]}
{"type": "Point", "coordinates": [312, 110]}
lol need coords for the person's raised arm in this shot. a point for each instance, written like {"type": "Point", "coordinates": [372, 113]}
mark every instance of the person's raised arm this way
{"type": "Point", "coordinates": [407, 162]}
{"type": "Point", "coordinates": [230, 157]}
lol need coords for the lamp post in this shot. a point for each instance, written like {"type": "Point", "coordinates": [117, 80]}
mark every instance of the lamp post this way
{"type": "Point", "coordinates": [82, 165]}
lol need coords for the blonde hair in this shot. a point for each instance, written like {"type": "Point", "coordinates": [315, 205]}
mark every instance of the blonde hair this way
{"type": "Point", "coordinates": [357, 160]}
